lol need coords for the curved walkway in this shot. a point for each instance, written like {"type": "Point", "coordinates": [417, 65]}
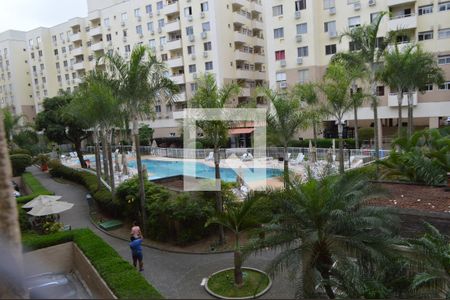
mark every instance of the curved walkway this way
{"type": "Point", "coordinates": [176, 276]}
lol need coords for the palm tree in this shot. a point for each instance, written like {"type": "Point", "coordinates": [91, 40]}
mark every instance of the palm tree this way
{"type": "Point", "coordinates": [285, 118]}
{"type": "Point", "coordinates": [210, 96]}
{"type": "Point", "coordinates": [370, 50]}
{"type": "Point", "coordinates": [238, 218]}
{"type": "Point", "coordinates": [325, 222]}
{"type": "Point", "coordinates": [9, 227]}
{"type": "Point", "coordinates": [141, 83]}
{"type": "Point", "coordinates": [336, 88]}
{"type": "Point", "coordinates": [11, 123]}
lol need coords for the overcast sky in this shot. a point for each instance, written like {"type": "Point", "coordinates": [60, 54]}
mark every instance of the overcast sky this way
{"type": "Point", "coordinates": [29, 14]}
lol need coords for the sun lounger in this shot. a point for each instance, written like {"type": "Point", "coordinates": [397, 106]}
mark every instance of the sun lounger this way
{"type": "Point", "coordinates": [299, 159]}
{"type": "Point", "coordinates": [210, 156]}
{"type": "Point", "coordinates": [247, 157]}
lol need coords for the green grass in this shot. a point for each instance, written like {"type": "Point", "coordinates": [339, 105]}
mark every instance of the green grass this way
{"type": "Point", "coordinates": [124, 280]}
{"type": "Point", "coordinates": [35, 186]}
{"type": "Point", "coordinates": [223, 283]}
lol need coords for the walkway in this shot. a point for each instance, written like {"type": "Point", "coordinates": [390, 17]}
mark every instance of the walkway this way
{"type": "Point", "coordinates": [174, 275]}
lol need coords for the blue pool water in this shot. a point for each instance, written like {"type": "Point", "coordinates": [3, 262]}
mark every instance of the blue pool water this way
{"type": "Point", "coordinates": [161, 169]}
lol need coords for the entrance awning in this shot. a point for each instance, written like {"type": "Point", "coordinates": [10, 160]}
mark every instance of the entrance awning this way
{"type": "Point", "coordinates": [236, 131]}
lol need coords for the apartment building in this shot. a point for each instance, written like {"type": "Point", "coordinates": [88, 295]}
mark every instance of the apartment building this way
{"type": "Point", "coordinates": [303, 35]}
{"type": "Point", "coordinates": [15, 88]}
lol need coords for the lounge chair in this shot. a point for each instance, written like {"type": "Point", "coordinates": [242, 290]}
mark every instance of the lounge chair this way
{"type": "Point", "coordinates": [210, 156]}
{"type": "Point", "coordinates": [247, 157]}
{"type": "Point", "coordinates": [299, 159]}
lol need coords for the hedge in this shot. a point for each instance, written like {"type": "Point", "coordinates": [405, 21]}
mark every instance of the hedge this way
{"type": "Point", "coordinates": [121, 277]}
{"type": "Point", "coordinates": [19, 162]}
{"type": "Point", "coordinates": [35, 186]}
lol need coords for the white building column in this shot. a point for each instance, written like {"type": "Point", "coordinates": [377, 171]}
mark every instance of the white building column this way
{"type": "Point", "coordinates": [433, 122]}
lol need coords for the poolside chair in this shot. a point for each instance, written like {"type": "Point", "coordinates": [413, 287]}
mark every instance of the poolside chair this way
{"type": "Point", "coordinates": [299, 159]}
{"type": "Point", "coordinates": [247, 157]}
{"type": "Point", "coordinates": [210, 156]}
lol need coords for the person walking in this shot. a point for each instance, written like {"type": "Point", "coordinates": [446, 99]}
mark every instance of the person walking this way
{"type": "Point", "coordinates": [136, 252]}
{"type": "Point", "coordinates": [136, 231]}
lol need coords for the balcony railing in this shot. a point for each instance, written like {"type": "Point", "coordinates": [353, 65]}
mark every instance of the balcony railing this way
{"type": "Point", "coordinates": [403, 22]}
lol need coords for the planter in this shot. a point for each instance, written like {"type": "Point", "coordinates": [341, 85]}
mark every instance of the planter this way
{"type": "Point", "coordinates": [44, 167]}
{"type": "Point", "coordinates": [249, 295]}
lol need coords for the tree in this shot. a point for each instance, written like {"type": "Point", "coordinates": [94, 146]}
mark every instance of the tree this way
{"type": "Point", "coordinates": [215, 132]}
{"type": "Point", "coordinates": [141, 82]}
{"type": "Point", "coordinates": [60, 126]}
{"type": "Point", "coordinates": [336, 88]}
{"type": "Point", "coordinates": [285, 118]}
{"type": "Point", "coordinates": [322, 223]}
{"type": "Point", "coordinates": [370, 50]}
{"type": "Point", "coordinates": [238, 218]}
{"type": "Point", "coordinates": [11, 123]}
{"type": "Point", "coordinates": [146, 135]}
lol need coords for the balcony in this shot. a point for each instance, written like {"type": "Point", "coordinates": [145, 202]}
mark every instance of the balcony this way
{"type": "Point", "coordinates": [257, 24]}
{"type": "Point", "coordinates": [240, 2]}
{"type": "Point", "coordinates": [77, 80]}
{"type": "Point", "coordinates": [257, 6]}
{"type": "Point", "coordinates": [75, 37]}
{"type": "Point", "coordinates": [240, 18]}
{"type": "Point", "coordinates": [181, 97]}
{"type": "Point", "coordinates": [241, 55]}
{"type": "Point", "coordinates": [259, 59]}
{"type": "Point", "coordinates": [403, 22]}
{"type": "Point", "coordinates": [242, 38]}
{"type": "Point", "coordinates": [178, 115]}
{"type": "Point", "coordinates": [95, 15]}
{"type": "Point", "coordinates": [171, 9]}
{"type": "Point", "coordinates": [245, 74]}
{"type": "Point", "coordinates": [399, 2]}
{"type": "Point", "coordinates": [95, 31]}
{"type": "Point", "coordinates": [401, 46]}
{"type": "Point", "coordinates": [97, 46]}
{"type": "Point", "coordinates": [178, 79]}
{"type": "Point", "coordinates": [172, 26]}
{"type": "Point", "coordinates": [78, 66]}
{"type": "Point", "coordinates": [175, 62]}
{"type": "Point", "coordinates": [173, 44]}
{"type": "Point", "coordinates": [259, 42]}
{"type": "Point", "coordinates": [246, 92]}
{"type": "Point", "coordinates": [77, 51]}
{"type": "Point", "coordinates": [393, 102]}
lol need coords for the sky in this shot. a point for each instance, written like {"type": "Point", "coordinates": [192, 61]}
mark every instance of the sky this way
{"type": "Point", "coordinates": [29, 14]}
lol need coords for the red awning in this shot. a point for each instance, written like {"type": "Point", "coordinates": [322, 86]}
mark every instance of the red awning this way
{"type": "Point", "coordinates": [236, 131]}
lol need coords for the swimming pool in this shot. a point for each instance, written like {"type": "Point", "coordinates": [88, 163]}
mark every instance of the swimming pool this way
{"type": "Point", "coordinates": [162, 169]}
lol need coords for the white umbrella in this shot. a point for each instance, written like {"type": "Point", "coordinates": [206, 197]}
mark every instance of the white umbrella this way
{"type": "Point", "coordinates": [41, 200]}
{"type": "Point", "coordinates": [50, 208]}
{"type": "Point", "coordinates": [154, 144]}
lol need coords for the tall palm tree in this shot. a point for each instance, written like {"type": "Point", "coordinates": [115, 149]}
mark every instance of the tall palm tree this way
{"type": "Point", "coordinates": [11, 123]}
{"type": "Point", "coordinates": [141, 83]}
{"type": "Point", "coordinates": [336, 88]}
{"type": "Point", "coordinates": [238, 218]}
{"type": "Point", "coordinates": [285, 118]}
{"type": "Point", "coordinates": [324, 222]}
{"type": "Point", "coordinates": [10, 286]}
{"type": "Point", "coordinates": [370, 50]}
{"type": "Point", "coordinates": [210, 96]}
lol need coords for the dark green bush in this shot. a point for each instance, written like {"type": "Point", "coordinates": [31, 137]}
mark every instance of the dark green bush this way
{"type": "Point", "coordinates": [19, 163]}
{"type": "Point", "coordinates": [23, 219]}
{"type": "Point", "coordinates": [121, 277]}
{"type": "Point", "coordinates": [366, 134]}
{"type": "Point", "coordinates": [35, 186]}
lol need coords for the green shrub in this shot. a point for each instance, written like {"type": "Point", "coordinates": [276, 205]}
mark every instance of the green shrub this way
{"type": "Point", "coordinates": [35, 186]}
{"type": "Point", "coordinates": [366, 134]}
{"type": "Point", "coordinates": [20, 151]}
{"type": "Point", "coordinates": [119, 275]}
{"type": "Point", "coordinates": [19, 163]}
{"type": "Point", "coordinates": [23, 219]}
{"type": "Point", "coordinates": [53, 163]}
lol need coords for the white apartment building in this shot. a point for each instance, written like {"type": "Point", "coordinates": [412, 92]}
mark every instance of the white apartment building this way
{"type": "Point", "coordinates": [303, 35]}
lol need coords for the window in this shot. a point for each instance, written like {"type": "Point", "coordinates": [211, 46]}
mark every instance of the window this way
{"type": "Point", "coordinates": [444, 59]}
{"type": "Point", "coordinates": [206, 26]}
{"type": "Point", "coordinates": [278, 33]}
{"type": "Point", "coordinates": [280, 76]}
{"type": "Point", "coordinates": [354, 22]}
{"type": "Point", "coordinates": [300, 5]}
{"type": "Point", "coordinates": [164, 57]}
{"type": "Point", "coordinates": [159, 5]}
{"type": "Point", "coordinates": [61, 36]}
{"type": "Point", "coordinates": [31, 42]}
{"type": "Point", "coordinates": [208, 66]}
{"type": "Point", "coordinates": [40, 53]}
{"type": "Point", "coordinates": [162, 40]}
{"type": "Point", "coordinates": [192, 68]}
{"type": "Point", "coordinates": [34, 69]}
{"type": "Point", "coordinates": [352, 46]}
{"type": "Point", "coordinates": [127, 48]}
{"type": "Point", "coordinates": [302, 51]}
{"type": "Point", "coordinates": [57, 65]}
{"type": "Point", "coordinates": [277, 10]}
{"type": "Point", "coordinates": [108, 37]}
{"type": "Point", "coordinates": [55, 51]}
{"type": "Point", "coordinates": [139, 29]}
{"type": "Point", "coordinates": [330, 49]}
{"type": "Point", "coordinates": [158, 108]}
{"type": "Point", "coordinates": [66, 76]}
{"type": "Point", "coordinates": [204, 6]}
{"type": "Point", "coordinates": [444, 6]}
{"type": "Point", "coordinates": [425, 35]}
{"type": "Point", "coordinates": [32, 55]}
{"type": "Point", "coordinates": [152, 43]}
{"type": "Point", "coordinates": [188, 11]}
{"type": "Point", "coordinates": [207, 46]}
{"type": "Point", "coordinates": [329, 26]}
{"type": "Point", "coordinates": [124, 16]}
{"type": "Point", "coordinates": [125, 33]}
{"type": "Point", "coordinates": [303, 76]}
{"type": "Point", "coordinates": [374, 17]}
{"type": "Point", "coordinates": [426, 9]}
{"type": "Point", "coordinates": [38, 39]}
{"type": "Point", "coordinates": [189, 30]}
{"type": "Point", "coordinates": [59, 78]}
{"type": "Point", "coordinates": [302, 28]}
{"type": "Point", "coordinates": [327, 4]}
{"type": "Point", "coordinates": [193, 87]}
{"type": "Point", "coordinates": [148, 9]}
{"type": "Point", "coordinates": [191, 49]}
{"type": "Point", "coordinates": [280, 55]}
{"type": "Point", "coordinates": [161, 23]}
{"type": "Point", "coordinates": [65, 63]}
{"type": "Point", "coordinates": [54, 38]}
{"type": "Point", "coordinates": [444, 33]}
{"type": "Point", "coordinates": [137, 12]}
{"type": "Point", "coordinates": [427, 87]}
{"type": "Point", "coordinates": [150, 27]}
{"type": "Point", "coordinates": [44, 80]}
{"type": "Point", "coordinates": [380, 90]}
{"type": "Point", "coordinates": [445, 86]}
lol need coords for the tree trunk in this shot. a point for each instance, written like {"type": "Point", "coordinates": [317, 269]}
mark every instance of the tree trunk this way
{"type": "Point", "coordinates": [238, 278]}
{"type": "Point", "coordinates": [77, 145]}
{"type": "Point", "coordinates": [140, 174]}
{"type": "Point", "coordinates": [341, 147]}
{"type": "Point", "coordinates": [410, 114]}
{"type": "Point", "coordinates": [105, 156]}
{"type": "Point", "coordinates": [399, 101]}
{"type": "Point", "coordinates": [110, 164]}
{"type": "Point", "coordinates": [219, 202]}
{"type": "Point", "coordinates": [308, 281]}
{"type": "Point", "coordinates": [10, 244]}
{"type": "Point", "coordinates": [98, 164]}
{"type": "Point", "coordinates": [286, 166]}
{"type": "Point", "coordinates": [315, 133]}
{"type": "Point", "coordinates": [356, 127]}
{"type": "Point", "coordinates": [375, 117]}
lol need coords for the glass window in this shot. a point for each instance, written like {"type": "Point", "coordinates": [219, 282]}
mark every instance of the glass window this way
{"type": "Point", "coordinates": [189, 30]}
{"type": "Point", "coordinates": [280, 76]}
{"type": "Point", "coordinates": [161, 23]}
{"type": "Point", "coordinates": [38, 39]}
{"type": "Point", "coordinates": [327, 4]}
{"type": "Point", "coordinates": [150, 27]}
{"type": "Point", "coordinates": [204, 6]}
{"type": "Point", "coordinates": [159, 5]}
{"type": "Point", "coordinates": [329, 26]}
{"type": "Point", "coordinates": [277, 10]}
{"type": "Point", "coordinates": [444, 33]}
{"type": "Point", "coordinates": [124, 16]}
{"type": "Point", "coordinates": [55, 51]}
{"type": "Point", "coordinates": [444, 6]}
{"type": "Point", "coordinates": [31, 42]}
{"type": "Point", "coordinates": [207, 46]}
{"type": "Point", "coordinates": [426, 9]}
{"type": "Point", "coordinates": [192, 68]}
{"type": "Point", "coordinates": [152, 43]}
{"type": "Point", "coordinates": [374, 17]}
{"type": "Point", "coordinates": [303, 76]}
{"type": "Point", "coordinates": [139, 29]}
{"type": "Point", "coordinates": [148, 8]}
{"type": "Point", "coordinates": [300, 5]}
{"type": "Point", "coordinates": [54, 38]}
{"type": "Point", "coordinates": [444, 59]}
{"type": "Point", "coordinates": [162, 40]}
{"type": "Point", "coordinates": [206, 26]}
{"type": "Point", "coordinates": [278, 33]}
{"type": "Point", "coordinates": [188, 11]}
{"type": "Point", "coordinates": [137, 12]}
{"type": "Point", "coordinates": [280, 55]}
{"type": "Point", "coordinates": [302, 28]}
{"type": "Point", "coordinates": [208, 65]}
{"type": "Point", "coordinates": [425, 35]}
{"type": "Point", "coordinates": [354, 22]}
{"type": "Point", "coordinates": [330, 49]}
{"type": "Point", "coordinates": [193, 87]}
{"type": "Point", "coordinates": [302, 51]}
{"type": "Point", "coordinates": [127, 48]}
{"type": "Point", "coordinates": [445, 86]}
{"type": "Point", "coordinates": [191, 49]}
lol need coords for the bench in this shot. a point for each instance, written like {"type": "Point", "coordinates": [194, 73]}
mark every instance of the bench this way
{"type": "Point", "coordinates": [111, 225]}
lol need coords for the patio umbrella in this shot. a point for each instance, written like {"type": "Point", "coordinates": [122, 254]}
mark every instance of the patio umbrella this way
{"type": "Point", "coordinates": [41, 200]}
{"type": "Point", "coordinates": [50, 208]}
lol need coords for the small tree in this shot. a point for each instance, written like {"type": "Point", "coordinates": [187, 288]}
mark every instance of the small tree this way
{"type": "Point", "coordinates": [146, 135]}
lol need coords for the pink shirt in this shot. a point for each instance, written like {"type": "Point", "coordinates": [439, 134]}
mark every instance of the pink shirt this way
{"type": "Point", "coordinates": [136, 231]}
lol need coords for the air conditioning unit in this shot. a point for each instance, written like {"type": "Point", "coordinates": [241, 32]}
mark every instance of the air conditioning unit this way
{"type": "Point", "coordinates": [299, 38]}
{"type": "Point", "coordinates": [122, 23]}
{"type": "Point", "coordinates": [332, 34]}
{"type": "Point", "coordinates": [37, 46]}
{"type": "Point", "coordinates": [138, 18]}
{"type": "Point", "coordinates": [298, 14]}
{"type": "Point", "coordinates": [194, 75]}
{"type": "Point", "coordinates": [204, 35]}
{"type": "Point", "coordinates": [191, 38]}
{"type": "Point", "coordinates": [190, 18]}
{"type": "Point", "coordinates": [332, 10]}
{"type": "Point", "coordinates": [372, 2]}
{"type": "Point", "coordinates": [299, 60]}
{"type": "Point", "coordinates": [193, 57]}
{"type": "Point", "coordinates": [161, 47]}
{"type": "Point", "coordinates": [152, 32]}
{"type": "Point", "coordinates": [283, 85]}
{"type": "Point", "coordinates": [357, 5]}
{"type": "Point", "coordinates": [124, 39]}
{"type": "Point", "coordinates": [205, 54]}
{"type": "Point", "coordinates": [283, 63]}
{"type": "Point", "coordinates": [159, 29]}
{"type": "Point", "coordinates": [141, 35]}
{"type": "Point", "coordinates": [202, 15]}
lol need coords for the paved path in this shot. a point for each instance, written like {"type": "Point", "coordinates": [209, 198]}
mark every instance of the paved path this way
{"type": "Point", "coordinates": [174, 275]}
